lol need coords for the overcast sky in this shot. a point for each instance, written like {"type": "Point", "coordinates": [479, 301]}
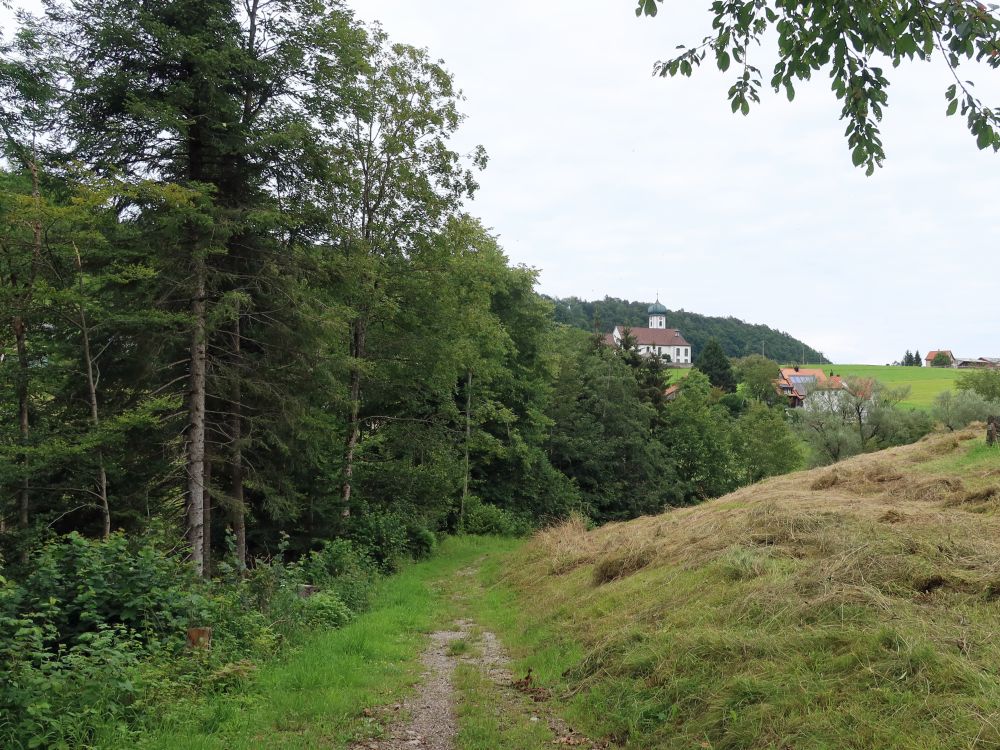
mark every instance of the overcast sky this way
{"type": "Point", "coordinates": [612, 182]}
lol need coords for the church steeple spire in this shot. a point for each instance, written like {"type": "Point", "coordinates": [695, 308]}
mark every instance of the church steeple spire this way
{"type": "Point", "coordinates": [657, 314]}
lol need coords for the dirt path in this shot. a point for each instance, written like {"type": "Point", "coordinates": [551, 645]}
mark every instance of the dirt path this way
{"type": "Point", "coordinates": [426, 721]}
{"type": "Point", "coordinates": [431, 724]}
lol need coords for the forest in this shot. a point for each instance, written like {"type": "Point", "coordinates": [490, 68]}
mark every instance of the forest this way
{"type": "Point", "coordinates": [738, 338]}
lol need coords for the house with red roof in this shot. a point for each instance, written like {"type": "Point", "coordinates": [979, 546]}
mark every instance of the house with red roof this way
{"type": "Point", "coordinates": [796, 383]}
{"type": "Point", "coordinates": [929, 359]}
{"type": "Point", "coordinates": [657, 339]}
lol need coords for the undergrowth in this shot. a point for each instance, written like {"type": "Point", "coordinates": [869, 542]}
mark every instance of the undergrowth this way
{"type": "Point", "coordinates": [93, 636]}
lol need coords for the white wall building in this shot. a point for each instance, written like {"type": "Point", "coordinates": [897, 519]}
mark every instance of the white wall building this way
{"type": "Point", "coordinates": [657, 338]}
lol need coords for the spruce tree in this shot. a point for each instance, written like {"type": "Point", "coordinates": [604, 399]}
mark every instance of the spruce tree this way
{"type": "Point", "coordinates": [716, 365]}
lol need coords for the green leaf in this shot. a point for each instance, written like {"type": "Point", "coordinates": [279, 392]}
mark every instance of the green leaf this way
{"type": "Point", "coordinates": [723, 60]}
{"type": "Point", "coordinates": [952, 108]}
{"type": "Point", "coordinates": [745, 107]}
{"type": "Point", "coordinates": [858, 156]}
{"type": "Point", "coordinates": [646, 6]}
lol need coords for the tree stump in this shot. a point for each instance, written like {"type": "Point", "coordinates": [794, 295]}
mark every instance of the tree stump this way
{"type": "Point", "coordinates": [992, 427]}
{"type": "Point", "coordinates": [199, 638]}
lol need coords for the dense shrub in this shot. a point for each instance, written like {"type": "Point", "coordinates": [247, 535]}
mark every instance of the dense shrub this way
{"type": "Point", "coordinates": [421, 541]}
{"type": "Point", "coordinates": [483, 518]}
{"type": "Point", "coordinates": [383, 536]}
{"type": "Point", "coordinates": [95, 634]}
{"type": "Point", "coordinates": [325, 609]}
{"type": "Point", "coordinates": [80, 585]}
{"type": "Point", "coordinates": [55, 696]}
{"type": "Point", "coordinates": [959, 409]}
{"type": "Point", "coordinates": [340, 567]}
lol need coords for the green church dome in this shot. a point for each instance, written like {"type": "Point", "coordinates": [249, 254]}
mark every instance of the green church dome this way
{"type": "Point", "coordinates": [657, 309]}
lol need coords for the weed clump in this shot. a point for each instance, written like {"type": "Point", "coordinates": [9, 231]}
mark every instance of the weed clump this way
{"type": "Point", "coordinates": [825, 481]}
{"type": "Point", "coordinates": [892, 516]}
{"type": "Point", "coordinates": [621, 563]}
{"type": "Point", "coordinates": [742, 564]}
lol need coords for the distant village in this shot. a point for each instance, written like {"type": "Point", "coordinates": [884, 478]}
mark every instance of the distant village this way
{"type": "Point", "coordinates": [793, 383]}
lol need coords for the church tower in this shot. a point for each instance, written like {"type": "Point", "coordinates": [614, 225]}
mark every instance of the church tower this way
{"type": "Point", "coordinates": [657, 315]}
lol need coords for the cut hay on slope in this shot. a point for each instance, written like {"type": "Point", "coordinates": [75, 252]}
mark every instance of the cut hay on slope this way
{"type": "Point", "coordinates": [850, 606]}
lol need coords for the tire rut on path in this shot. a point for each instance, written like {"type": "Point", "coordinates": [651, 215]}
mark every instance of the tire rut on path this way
{"type": "Point", "coordinates": [431, 724]}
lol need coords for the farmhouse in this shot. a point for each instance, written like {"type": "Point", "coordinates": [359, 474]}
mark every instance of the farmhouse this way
{"type": "Point", "coordinates": [929, 359]}
{"type": "Point", "coordinates": [977, 362]}
{"type": "Point", "coordinates": [657, 339]}
{"type": "Point", "coordinates": [796, 383]}
{"type": "Point", "coordinates": [963, 363]}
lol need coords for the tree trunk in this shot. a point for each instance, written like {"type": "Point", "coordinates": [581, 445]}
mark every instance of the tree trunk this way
{"type": "Point", "coordinates": [468, 438]}
{"type": "Point", "coordinates": [95, 419]}
{"type": "Point", "coordinates": [196, 422]}
{"type": "Point", "coordinates": [358, 332]}
{"type": "Point", "coordinates": [236, 458]}
{"type": "Point", "coordinates": [20, 337]}
{"type": "Point", "coordinates": [207, 519]}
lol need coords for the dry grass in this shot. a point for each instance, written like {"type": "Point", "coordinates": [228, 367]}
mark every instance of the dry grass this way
{"type": "Point", "coordinates": [624, 561]}
{"type": "Point", "coordinates": [882, 573]}
{"type": "Point", "coordinates": [566, 546]}
{"type": "Point", "coordinates": [871, 508]}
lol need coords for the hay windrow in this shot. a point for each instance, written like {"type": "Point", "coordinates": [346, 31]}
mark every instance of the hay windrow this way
{"type": "Point", "coordinates": [622, 562]}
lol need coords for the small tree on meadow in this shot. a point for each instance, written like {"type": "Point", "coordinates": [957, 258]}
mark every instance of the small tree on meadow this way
{"type": "Point", "coordinates": [958, 409]}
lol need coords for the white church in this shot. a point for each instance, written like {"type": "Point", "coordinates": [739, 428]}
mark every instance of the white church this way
{"type": "Point", "coordinates": [657, 339]}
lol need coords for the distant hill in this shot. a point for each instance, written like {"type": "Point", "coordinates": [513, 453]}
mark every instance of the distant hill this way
{"type": "Point", "coordinates": [737, 337]}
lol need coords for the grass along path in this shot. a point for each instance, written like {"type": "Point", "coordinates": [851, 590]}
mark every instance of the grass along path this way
{"type": "Point", "coordinates": [327, 693]}
{"type": "Point", "coordinates": [496, 709]}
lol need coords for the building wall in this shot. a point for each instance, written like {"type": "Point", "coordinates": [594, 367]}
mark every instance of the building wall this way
{"type": "Point", "coordinates": [680, 355]}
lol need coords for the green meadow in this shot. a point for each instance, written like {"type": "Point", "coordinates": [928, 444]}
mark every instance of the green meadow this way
{"type": "Point", "coordinates": [925, 383]}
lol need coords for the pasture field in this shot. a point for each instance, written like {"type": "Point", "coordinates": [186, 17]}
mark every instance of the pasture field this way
{"type": "Point", "coordinates": [925, 382]}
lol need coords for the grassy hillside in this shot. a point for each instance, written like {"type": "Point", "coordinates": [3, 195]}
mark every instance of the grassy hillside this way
{"type": "Point", "coordinates": [845, 607]}
{"type": "Point", "coordinates": [925, 382]}
{"type": "Point", "coordinates": [737, 337]}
